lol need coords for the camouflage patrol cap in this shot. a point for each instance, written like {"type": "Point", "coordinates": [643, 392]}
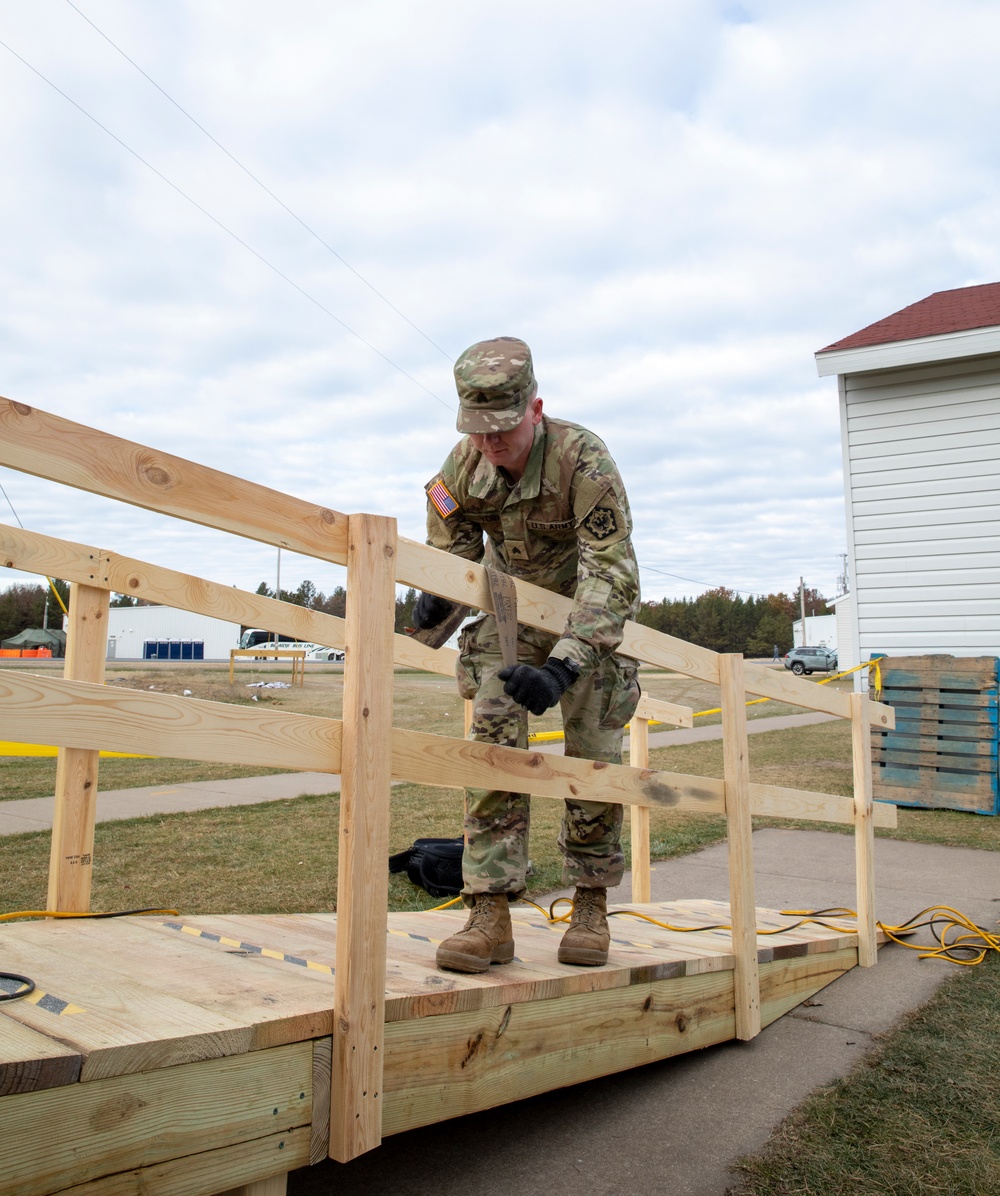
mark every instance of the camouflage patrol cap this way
{"type": "Point", "coordinates": [495, 380]}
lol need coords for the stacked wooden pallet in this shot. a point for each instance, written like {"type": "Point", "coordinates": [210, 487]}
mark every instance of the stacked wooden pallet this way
{"type": "Point", "coordinates": [943, 751]}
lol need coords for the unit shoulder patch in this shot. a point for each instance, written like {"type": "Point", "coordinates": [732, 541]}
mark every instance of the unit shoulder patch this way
{"type": "Point", "coordinates": [603, 522]}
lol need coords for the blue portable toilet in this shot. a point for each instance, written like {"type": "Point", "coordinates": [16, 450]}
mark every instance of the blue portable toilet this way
{"type": "Point", "coordinates": [175, 649]}
{"type": "Point", "coordinates": [149, 650]}
{"type": "Point", "coordinates": [198, 649]}
{"type": "Point", "coordinates": [186, 650]}
{"type": "Point", "coordinates": [162, 649]}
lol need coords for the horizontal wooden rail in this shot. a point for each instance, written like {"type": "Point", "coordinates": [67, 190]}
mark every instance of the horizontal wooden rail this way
{"type": "Point", "coordinates": [62, 451]}
{"type": "Point", "coordinates": [41, 709]}
{"type": "Point", "coordinates": [664, 712]}
{"type": "Point", "coordinates": [47, 556]}
{"type": "Point", "coordinates": [48, 446]}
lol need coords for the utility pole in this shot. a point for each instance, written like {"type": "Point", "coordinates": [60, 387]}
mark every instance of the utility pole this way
{"type": "Point", "coordinates": [842, 579]}
{"type": "Point", "coordinates": [277, 590]}
{"type": "Point", "coordinates": [802, 607]}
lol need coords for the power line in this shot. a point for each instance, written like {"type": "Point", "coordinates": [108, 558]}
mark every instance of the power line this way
{"type": "Point", "coordinates": [263, 186]}
{"type": "Point", "coordinates": [215, 220]}
{"type": "Point", "coordinates": [694, 581]}
{"type": "Point", "coordinates": [11, 505]}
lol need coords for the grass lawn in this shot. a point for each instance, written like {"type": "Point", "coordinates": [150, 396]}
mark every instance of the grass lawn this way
{"type": "Point", "coordinates": [919, 1116]}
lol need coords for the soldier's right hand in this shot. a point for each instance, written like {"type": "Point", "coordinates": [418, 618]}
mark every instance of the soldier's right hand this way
{"type": "Point", "coordinates": [430, 610]}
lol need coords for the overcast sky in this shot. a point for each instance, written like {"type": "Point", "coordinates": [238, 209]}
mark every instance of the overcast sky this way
{"type": "Point", "coordinates": [674, 203]}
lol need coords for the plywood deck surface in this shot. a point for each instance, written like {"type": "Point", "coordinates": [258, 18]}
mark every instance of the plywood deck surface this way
{"type": "Point", "coordinates": [140, 1004]}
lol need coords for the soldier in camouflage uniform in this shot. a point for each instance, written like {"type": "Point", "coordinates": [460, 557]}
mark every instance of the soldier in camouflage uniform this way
{"type": "Point", "coordinates": [540, 499]}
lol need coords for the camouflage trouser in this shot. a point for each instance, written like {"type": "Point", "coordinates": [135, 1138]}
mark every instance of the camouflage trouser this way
{"type": "Point", "coordinates": [594, 711]}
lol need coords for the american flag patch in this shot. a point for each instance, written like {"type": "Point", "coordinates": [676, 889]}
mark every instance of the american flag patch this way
{"type": "Point", "coordinates": [440, 496]}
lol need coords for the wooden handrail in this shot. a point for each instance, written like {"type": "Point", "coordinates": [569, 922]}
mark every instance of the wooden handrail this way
{"type": "Point", "coordinates": [51, 447]}
{"type": "Point", "coordinates": [38, 708]}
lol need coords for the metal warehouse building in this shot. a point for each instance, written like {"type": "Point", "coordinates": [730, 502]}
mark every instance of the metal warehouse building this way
{"type": "Point", "coordinates": [173, 634]}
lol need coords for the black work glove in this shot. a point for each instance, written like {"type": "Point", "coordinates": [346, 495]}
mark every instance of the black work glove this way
{"type": "Point", "coordinates": [538, 689]}
{"type": "Point", "coordinates": [430, 610]}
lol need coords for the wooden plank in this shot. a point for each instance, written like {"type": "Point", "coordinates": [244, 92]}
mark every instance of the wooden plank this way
{"type": "Point", "coordinates": [118, 1028]}
{"type": "Point", "coordinates": [933, 729]}
{"type": "Point", "coordinates": [664, 712]}
{"type": "Point", "coordinates": [443, 1067]}
{"type": "Point", "coordinates": [786, 983]}
{"type": "Point", "coordinates": [940, 671]}
{"type": "Point", "coordinates": [777, 802]}
{"type": "Point", "coordinates": [982, 744]}
{"type": "Point", "coordinates": [50, 447]}
{"type": "Point", "coordinates": [439, 760]}
{"type": "Point", "coordinates": [931, 780]}
{"type": "Point", "coordinates": [239, 985]}
{"type": "Point", "coordinates": [132, 1122]}
{"type": "Point", "coordinates": [30, 1061]}
{"type": "Point", "coordinates": [39, 709]}
{"type": "Point", "coordinates": [973, 707]}
{"type": "Point", "coordinates": [322, 1071]}
{"type": "Point", "coordinates": [195, 1175]}
{"type": "Point", "coordinates": [864, 830]}
{"type": "Point", "coordinates": [736, 769]}
{"type": "Point", "coordinates": [639, 815]}
{"type": "Point", "coordinates": [71, 854]}
{"type": "Point", "coordinates": [32, 552]}
{"type": "Point", "coordinates": [363, 870]}
{"type": "Point", "coordinates": [942, 760]}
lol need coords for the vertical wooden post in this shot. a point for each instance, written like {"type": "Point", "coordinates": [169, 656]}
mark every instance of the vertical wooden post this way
{"type": "Point", "coordinates": [743, 909]}
{"type": "Point", "coordinates": [638, 757]}
{"type": "Point", "coordinates": [72, 852]}
{"type": "Point", "coordinates": [468, 711]}
{"type": "Point", "coordinates": [363, 872]}
{"type": "Point", "coordinates": [864, 830]}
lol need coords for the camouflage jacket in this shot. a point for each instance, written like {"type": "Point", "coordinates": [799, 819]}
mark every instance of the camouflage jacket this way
{"type": "Point", "coordinates": [564, 526]}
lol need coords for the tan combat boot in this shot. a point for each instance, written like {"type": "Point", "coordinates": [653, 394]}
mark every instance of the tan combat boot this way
{"type": "Point", "coordinates": [486, 938]}
{"type": "Point", "coordinates": [586, 940]}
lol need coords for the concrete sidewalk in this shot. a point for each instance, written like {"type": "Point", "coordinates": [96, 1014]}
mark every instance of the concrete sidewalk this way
{"type": "Point", "coordinates": [35, 814]}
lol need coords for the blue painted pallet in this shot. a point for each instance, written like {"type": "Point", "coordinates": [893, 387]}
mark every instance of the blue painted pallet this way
{"type": "Point", "coordinates": [945, 750]}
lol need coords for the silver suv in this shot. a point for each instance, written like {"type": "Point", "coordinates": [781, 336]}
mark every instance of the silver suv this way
{"type": "Point", "coordinates": [811, 660]}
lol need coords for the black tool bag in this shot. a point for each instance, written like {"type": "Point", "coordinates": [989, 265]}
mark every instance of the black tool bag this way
{"type": "Point", "coordinates": [434, 865]}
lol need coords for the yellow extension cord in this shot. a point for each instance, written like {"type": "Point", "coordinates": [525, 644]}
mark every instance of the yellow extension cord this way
{"type": "Point", "coordinates": [969, 948]}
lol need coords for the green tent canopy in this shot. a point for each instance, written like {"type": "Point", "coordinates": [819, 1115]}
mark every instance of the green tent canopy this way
{"type": "Point", "coordinates": [38, 637]}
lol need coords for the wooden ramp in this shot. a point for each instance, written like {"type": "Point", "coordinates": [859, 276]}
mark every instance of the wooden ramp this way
{"type": "Point", "coordinates": [192, 1055]}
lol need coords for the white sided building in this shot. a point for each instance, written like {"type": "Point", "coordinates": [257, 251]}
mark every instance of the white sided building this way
{"type": "Point", "coordinates": [165, 633]}
{"type": "Point", "coordinates": [920, 421]}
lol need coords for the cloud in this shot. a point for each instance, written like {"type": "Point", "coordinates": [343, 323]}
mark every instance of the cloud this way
{"type": "Point", "coordinates": [676, 205]}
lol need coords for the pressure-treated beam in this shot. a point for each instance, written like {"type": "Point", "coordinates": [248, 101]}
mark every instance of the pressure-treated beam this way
{"type": "Point", "coordinates": [47, 556]}
{"type": "Point", "coordinates": [736, 765]}
{"type": "Point", "coordinates": [864, 834]}
{"type": "Point", "coordinates": [356, 1098]}
{"type": "Point", "coordinates": [71, 853]}
{"type": "Point", "coordinates": [40, 709]}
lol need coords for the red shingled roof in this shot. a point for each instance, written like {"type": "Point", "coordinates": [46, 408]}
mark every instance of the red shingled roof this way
{"type": "Point", "coordinates": [944, 311]}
